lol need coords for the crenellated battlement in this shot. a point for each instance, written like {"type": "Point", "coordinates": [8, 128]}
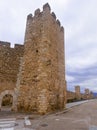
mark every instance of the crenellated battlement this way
{"type": "Point", "coordinates": [18, 46]}
{"type": "Point", "coordinates": [9, 59]}
{"type": "Point", "coordinates": [54, 15]}
{"type": "Point", "coordinates": [46, 7]}
{"type": "Point", "coordinates": [30, 16]}
{"type": "Point", "coordinates": [45, 12]}
{"type": "Point", "coordinates": [37, 12]}
{"type": "Point", "coordinates": [7, 53]}
{"type": "Point", "coordinates": [5, 44]}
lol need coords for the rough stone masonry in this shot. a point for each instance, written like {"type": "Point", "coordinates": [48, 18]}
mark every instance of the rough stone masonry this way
{"type": "Point", "coordinates": [40, 84]}
{"type": "Point", "coordinates": [9, 66]}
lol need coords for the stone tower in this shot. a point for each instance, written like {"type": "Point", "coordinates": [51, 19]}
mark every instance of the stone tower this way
{"type": "Point", "coordinates": [87, 93]}
{"type": "Point", "coordinates": [77, 92]}
{"type": "Point", "coordinates": [42, 84]}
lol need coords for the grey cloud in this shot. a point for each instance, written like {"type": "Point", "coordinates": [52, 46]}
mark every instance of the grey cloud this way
{"type": "Point", "coordinates": [79, 19]}
{"type": "Point", "coordinates": [84, 77]}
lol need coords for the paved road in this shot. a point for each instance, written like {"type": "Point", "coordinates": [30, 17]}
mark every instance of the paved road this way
{"type": "Point", "coordinates": [13, 124]}
{"type": "Point", "coordinates": [81, 117]}
{"type": "Point", "coordinates": [69, 105]}
{"type": "Point", "coordinates": [7, 124]}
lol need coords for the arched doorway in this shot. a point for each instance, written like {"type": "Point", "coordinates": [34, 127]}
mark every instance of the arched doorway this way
{"type": "Point", "coordinates": [7, 99]}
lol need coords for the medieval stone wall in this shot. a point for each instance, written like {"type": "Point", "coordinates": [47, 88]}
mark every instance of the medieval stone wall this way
{"type": "Point", "coordinates": [34, 73]}
{"type": "Point", "coordinates": [9, 65]}
{"type": "Point", "coordinates": [42, 86]}
{"type": "Point", "coordinates": [70, 96]}
{"type": "Point", "coordinates": [77, 93]}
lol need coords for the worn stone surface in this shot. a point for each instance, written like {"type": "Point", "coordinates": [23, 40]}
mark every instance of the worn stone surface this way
{"type": "Point", "coordinates": [9, 66]}
{"type": "Point", "coordinates": [42, 86]}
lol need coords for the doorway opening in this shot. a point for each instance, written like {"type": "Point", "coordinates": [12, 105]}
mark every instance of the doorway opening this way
{"type": "Point", "coordinates": [7, 102]}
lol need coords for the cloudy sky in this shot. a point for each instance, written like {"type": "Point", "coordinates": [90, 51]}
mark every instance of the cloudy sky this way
{"type": "Point", "coordinates": [79, 18]}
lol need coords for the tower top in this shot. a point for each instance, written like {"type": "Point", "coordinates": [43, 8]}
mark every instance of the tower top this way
{"type": "Point", "coordinates": [46, 7]}
{"type": "Point", "coordinates": [45, 12]}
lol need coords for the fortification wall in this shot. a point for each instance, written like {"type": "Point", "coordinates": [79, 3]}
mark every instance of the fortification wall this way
{"type": "Point", "coordinates": [9, 65]}
{"type": "Point", "coordinates": [70, 96]}
{"type": "Point", "coordinates": [77, 95]}
{"type": "Point", "coordinates": [42, 85]}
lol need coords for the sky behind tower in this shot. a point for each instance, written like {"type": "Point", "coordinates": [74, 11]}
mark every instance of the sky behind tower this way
{"type": "Point", "coordinates": [79, 19]}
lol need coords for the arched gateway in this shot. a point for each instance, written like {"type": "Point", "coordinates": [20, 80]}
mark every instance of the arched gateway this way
{"type": "Point", "coordinates": [11, 94]}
